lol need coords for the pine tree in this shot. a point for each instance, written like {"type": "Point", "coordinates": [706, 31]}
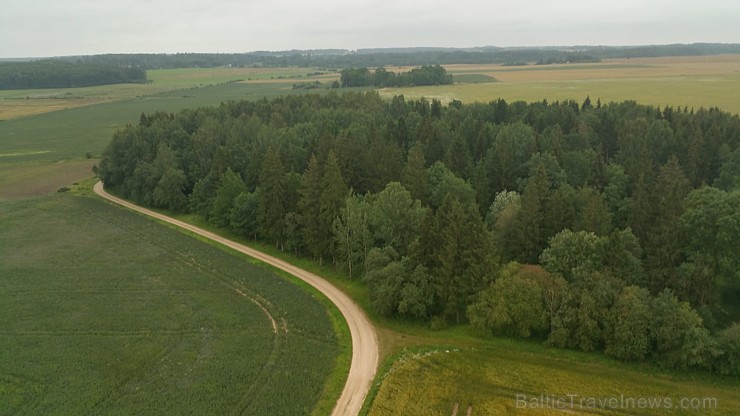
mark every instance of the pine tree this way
{"type": "Point", "coordinates": [415, 173]}
{"type": "Point", "coordinates": [309, 207]}
{"type": "Point", "coordinates": [333, 193]}
{"type": "Point", "coordinates": [532, 238]}
{"type": "Point", "coordinates": [663, 246]}
{"type": "Point", "coordinates": [271, 209]}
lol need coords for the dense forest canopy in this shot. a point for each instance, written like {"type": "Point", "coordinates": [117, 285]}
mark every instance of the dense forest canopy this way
{"type": "Point", "coordinates": [61, 74]}
{"type": "Point", "coordinates": [382, 78]}
{"type": "Point", "coordinates": [373, 58]}
{"type": "Point", "coordinates": [611, 227]}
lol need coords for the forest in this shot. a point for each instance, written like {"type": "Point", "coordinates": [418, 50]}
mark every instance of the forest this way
{"type": "Point", "coordinates": [609, 227]}
{"type": "Point", "coordinates": [382, 78]}
{"type": "Point", "coordinates": [61, 74]}
{"type": "Point", "coordinates": [373, 58]}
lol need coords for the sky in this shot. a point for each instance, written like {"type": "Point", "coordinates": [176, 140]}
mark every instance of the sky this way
{"type": "Point", "coordinates": [41, 28]}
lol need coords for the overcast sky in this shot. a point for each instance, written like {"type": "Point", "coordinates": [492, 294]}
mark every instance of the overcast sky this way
{"type": "Point", "coordinates": [33, 28]}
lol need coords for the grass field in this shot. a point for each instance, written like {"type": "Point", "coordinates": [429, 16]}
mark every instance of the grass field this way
{"type": "Point", "coordinates": [103, 313]}
{"type": "Point", "coordinates": [692, 82]}
{"type": "Point", "coordinates": [489, 379]}
{"type": "Point", "coordinates": [24, 180]}
{"type": "Point", "coordinates": [21, 103]}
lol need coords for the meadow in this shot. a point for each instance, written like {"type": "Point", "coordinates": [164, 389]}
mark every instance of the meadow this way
{"type": "Point", "coordinates": [93, 324]}
{"type": "Point", "coordinates": [507, 377]}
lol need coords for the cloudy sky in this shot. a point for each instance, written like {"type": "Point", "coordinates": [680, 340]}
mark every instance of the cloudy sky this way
{"type": "Point", "coordinates": [33, 28]}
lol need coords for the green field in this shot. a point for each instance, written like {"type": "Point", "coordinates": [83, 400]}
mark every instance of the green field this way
{"type": "Point", "coordinates": [691, 82]}
{"type": "Point", "coordinates": [103, 313]}
{"type": "Point", "coordinates": [490, 378]}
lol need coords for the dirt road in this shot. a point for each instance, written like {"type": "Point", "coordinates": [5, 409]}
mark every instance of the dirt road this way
{"type": "Point", "coordinates": [364, 340]}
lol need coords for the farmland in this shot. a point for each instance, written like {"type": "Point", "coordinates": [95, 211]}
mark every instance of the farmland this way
{"type": "Point", "coordinates": [691, 82]}
{"type": "Point", "coordinates": [167, 325]}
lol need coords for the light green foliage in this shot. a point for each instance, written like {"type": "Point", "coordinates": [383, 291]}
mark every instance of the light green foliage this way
{"type": "Point", "coordinates": [630, 333]}
{"type": "Point", "coordinates": [569, 251]}
{"type": "Point", "coordinates": [352, 232]}
{"type": "Point", "coordinates": [728, 343]}
{"type": "Point", "coordinates": [680, 339]}
{"type": "Point", "coordinates": [395, 217]}
{"type": "Point", "coordinates": [513, 305]}
{"type": "Point", "coordinates": [505, 205]}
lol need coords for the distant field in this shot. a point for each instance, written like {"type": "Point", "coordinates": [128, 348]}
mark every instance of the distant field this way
{"type": "Point", "coordinates": [488, 379]}
{"type": "Point", "coordinates": [21, 103]}
{"type": "Point", "coordinates": [709, 81]}
{"type": "Point", "coordinates": [26, 180]}
{"type": "Point", "coordinates": [102, 312]}
{"type": "Point", "coordinates": [70, 134]}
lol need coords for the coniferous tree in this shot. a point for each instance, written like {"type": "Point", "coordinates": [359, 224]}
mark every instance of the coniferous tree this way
{"type": "Point", "coordinates": [309, 208]}
{"type": "Point", "coordinates": [271, 210]}
{"type": "Point", "coordinates": [333, 193]}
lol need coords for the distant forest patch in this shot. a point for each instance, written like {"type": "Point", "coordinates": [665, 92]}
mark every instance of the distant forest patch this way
{"type": "Point", "coordinates": [425, 75]}
{"type": "Point", "coordinates": [60, 74]}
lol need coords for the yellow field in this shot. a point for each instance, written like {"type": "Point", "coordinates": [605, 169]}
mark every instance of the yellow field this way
{"type": "Point", "coordinates": [707, 81]}
{"type": "Point", "coordinates": [501, 380]}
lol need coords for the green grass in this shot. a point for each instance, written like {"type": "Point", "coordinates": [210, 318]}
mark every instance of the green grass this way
{"type": "Point", "coordinates": [92, 323]}
{"type": "Point", "coordinates": [430, 381]}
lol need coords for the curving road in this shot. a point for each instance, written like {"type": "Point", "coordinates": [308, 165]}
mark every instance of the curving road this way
{"type": "Point", "coordinates": [364, 340]}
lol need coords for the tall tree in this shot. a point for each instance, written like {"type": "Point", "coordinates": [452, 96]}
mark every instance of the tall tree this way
{"type": "Point", "coordinates": [663, 247]}
{"type": "Point", "coordinates": [352, 233]}
{"type": "Point", "coordinates": [309, 207]}
{"type": "Point", "coordinates": [271, 210]}
{"type": "Point", "coordinates": [333, 194]}
{"type": "Point", "coordinates": [395, 217]}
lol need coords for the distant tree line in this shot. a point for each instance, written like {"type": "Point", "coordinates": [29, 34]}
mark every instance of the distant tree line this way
{"type": "Point", "coordinates": [381, 78]}
{"type": "Point", "coordinates": [373, 58]}
{"type": "Point", "coordinates": [61, 74]}
{"type": "Point", "coordinates": [611, 227]}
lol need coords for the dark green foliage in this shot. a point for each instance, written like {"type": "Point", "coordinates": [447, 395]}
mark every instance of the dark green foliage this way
{"type": "Point", "coordinates": [272, 199]}
{"type": "Point", "coordinates": [60, 74]}
{"type": "Point", "coordinates": [603, 196]}
{"type": "Point", "coordinates": [424, 75]}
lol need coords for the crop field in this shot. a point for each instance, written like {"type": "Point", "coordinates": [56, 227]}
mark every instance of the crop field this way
{"type": "Point", "coordinates": [101, 312]}
{"type": "Point", "coordinates": [24, 180]}
{"type": "Point", "coordinates": [20, 103]}
{"type": "Point", "coordinates": [488, 380]}
{"type": "Point", "coordinates": [693, 82]}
